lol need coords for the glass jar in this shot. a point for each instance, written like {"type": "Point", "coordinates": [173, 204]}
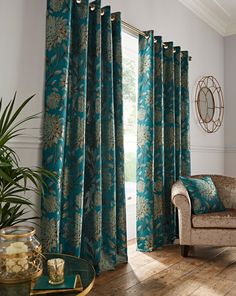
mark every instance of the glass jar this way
{"type": "Point", "coordinates": [20, 254]}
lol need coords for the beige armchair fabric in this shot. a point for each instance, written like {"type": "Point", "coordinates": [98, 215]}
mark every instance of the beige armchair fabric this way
{"type": "Point", "coordinates": [217, 229]}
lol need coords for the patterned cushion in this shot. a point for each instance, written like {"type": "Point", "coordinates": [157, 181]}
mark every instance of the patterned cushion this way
{"type": "Point", "coordinates": [203, 195]}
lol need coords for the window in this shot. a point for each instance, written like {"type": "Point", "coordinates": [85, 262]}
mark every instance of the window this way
{"type": "Point", "coordinates": [130, 91]}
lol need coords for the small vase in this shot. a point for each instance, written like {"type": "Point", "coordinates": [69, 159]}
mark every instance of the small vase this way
{"type": "Point", "coordinates": [20, 255]}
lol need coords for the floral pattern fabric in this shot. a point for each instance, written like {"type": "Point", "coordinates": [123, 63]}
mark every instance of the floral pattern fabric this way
{"type": "Point", "coordinates": [83, 213]}
{"type": "Point", "coordinates": [203, 195]}
{"type": "Point", "coordinates": [163, 138]}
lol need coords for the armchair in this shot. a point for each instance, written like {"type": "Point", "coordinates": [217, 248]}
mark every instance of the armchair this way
{"type": "Point", "coordinates": [218, 228]}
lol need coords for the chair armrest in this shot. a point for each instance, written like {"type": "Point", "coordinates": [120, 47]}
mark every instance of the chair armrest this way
{"type": "Point", "coordinates": [178, 194]}
{"type": "Point", "coordinates": [181, 200]}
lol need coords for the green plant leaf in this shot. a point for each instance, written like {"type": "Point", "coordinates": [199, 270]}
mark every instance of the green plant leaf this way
{"type": "Point", "coordinates": [15, 179]}
{"type": "Point", "coordinates": [11, 119]}
{"type": "Point", "coordinates": [18, 201]}
{"type": "Point", "coordinates": [8, 114]}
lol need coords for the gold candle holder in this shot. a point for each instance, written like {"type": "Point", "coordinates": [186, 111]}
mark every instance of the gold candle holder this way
{"type": "Point", "coordinates": [20, 255]}
{"type": "Point", "coordinates": [56, 271]}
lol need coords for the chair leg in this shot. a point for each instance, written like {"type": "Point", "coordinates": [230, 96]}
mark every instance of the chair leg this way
{"type": "Point", "coordinates": [184, 250]}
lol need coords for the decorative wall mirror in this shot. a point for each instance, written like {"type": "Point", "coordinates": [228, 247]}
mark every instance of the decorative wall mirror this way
{"type": "Point", "coordinates": [209, 104]}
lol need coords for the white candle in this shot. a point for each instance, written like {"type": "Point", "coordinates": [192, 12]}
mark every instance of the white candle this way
{"type": "Point", "coordinates": [18, 264]}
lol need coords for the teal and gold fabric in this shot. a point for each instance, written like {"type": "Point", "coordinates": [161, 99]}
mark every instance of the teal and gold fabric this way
{"type": "Point", "coordinates": [163, 138]}
{"type": "Point", "coordinates": [83, 213]}
{"type": "Point", "coordinates": [203, 195]}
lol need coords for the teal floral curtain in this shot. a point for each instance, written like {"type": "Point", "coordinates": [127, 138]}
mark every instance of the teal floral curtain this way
{"type": "Point", "coordinates": [83, 213]}
{"type": "Point", "coordinates": [163, 138]}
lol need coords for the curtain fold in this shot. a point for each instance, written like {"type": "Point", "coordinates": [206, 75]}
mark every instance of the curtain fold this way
{"type": "Point", "coordinates": [169, 140]}
{"type": "Point", "coordinates": [185, 116]}
{"type": "Point", "coordinates": [163, 138]}
{"type": "Point", "coordinates": [83, 213]}
{"type": "Point", "coordinates": [145, 161]}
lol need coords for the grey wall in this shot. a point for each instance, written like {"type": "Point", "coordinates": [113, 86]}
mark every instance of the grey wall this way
{"type": "Point", "coordinates": [22, 55]}
{"type": "Point", "coordinates": [230, 105]}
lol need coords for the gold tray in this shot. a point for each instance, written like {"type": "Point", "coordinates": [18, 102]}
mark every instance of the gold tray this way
{"type": "Point", "coordinates": [78, 288]}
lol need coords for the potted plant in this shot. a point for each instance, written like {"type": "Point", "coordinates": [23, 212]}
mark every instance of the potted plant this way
{"type": "Point", "coordinates": [16, 181]}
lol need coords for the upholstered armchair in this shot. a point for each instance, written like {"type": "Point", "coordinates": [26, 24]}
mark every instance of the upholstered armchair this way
{"type": "Point", "coordinates": [218, 228]}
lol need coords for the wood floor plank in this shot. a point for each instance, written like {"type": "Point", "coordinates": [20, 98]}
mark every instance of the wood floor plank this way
{"type": "Point", "coordinates": [139, 260]}
{"type": "Point", "coordinates": [173, 279]}
{"type": "Point", "coordinates": [153, 289]}
{"type": "Point", "coordinates": [215, 266]}
{"type": "Point", "coordinates": [207, 271]}
{"type": "Point", "coordinates": [232, 291]}
{"type": "Point", "coordinates": [183, 287]}
{"type": "Point", "coordinates": [149, 270]}
{"type": "Point", "coordinates": [229, 272]}
{"type": "Point", "coordinates": [109, 276]}
{"type": "Point", "coordinates": [215, 287]}
{"type": "Point", "coordinates": [117, 285]}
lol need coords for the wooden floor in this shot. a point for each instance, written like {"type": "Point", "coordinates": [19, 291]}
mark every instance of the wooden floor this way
{"type": "Point", "coordinates": [208, 271]}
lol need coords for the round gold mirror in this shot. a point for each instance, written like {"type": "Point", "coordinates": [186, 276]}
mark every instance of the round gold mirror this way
{"type": "Point", "coordinates": [209, 104]}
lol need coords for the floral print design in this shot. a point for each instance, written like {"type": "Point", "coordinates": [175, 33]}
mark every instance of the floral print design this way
{"type": "Point", "coordinates": [185, 120]}
{"type": "Point", "coordinates": [143, 208]}
{"type": "Point", "coordinates": [56, 31]}
{"type": "Point", "coordinates": [84, 211]}
{"type": "Point", "coordinates": [52, 131]}
{"type": "Point", "coordinates": [51, 204]}
{"type": "Point", "coordinates": [53, 101]}
{"type": "Point", "coordinates": [163, 133]}
{"type": "Point", "coordinates": [203, 194]}
{"type": "Point", "coordinates": [56, 5]}
{"type": "Point", "coordinates": [49, 233]}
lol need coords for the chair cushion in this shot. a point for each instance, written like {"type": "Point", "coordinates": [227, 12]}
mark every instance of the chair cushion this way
{"type": "Point", "coordinates": [203, 195]}
{"type": "Point", "coordinates": [226, 219]}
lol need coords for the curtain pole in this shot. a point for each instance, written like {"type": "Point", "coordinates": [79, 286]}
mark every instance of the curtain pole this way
{"type": "Point", "coordinates": [133, 29]}
{"type": "Point", "coordinates": [129, 27]}
{"type": "Point", "coordinates": [137, 31]}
